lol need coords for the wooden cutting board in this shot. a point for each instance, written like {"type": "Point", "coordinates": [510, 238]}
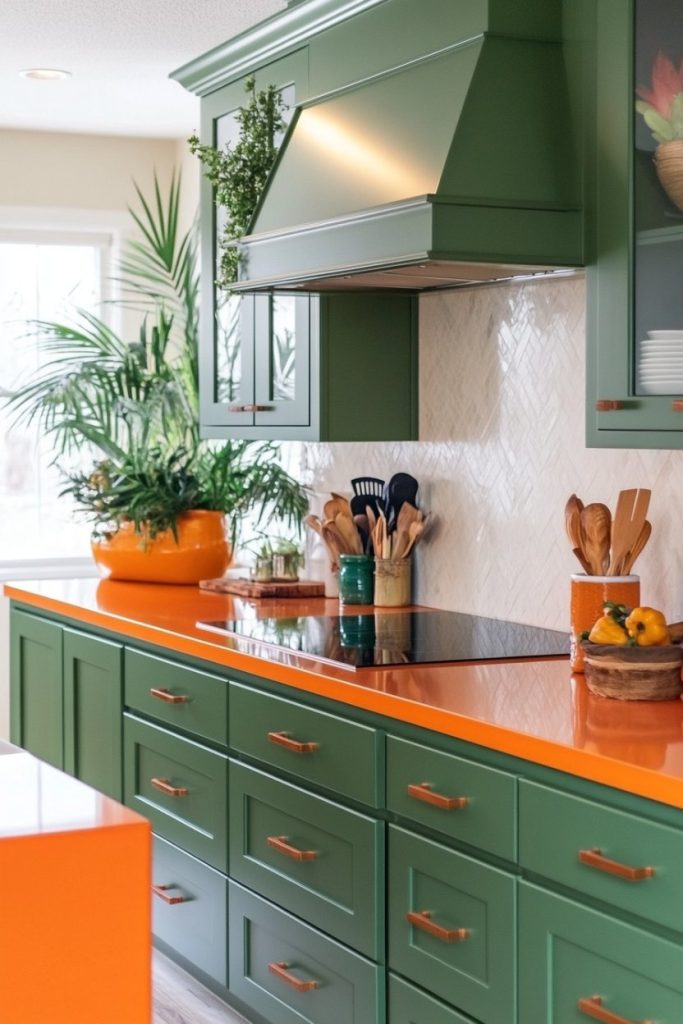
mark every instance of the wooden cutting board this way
{"type": "Point", "coordinates": [255, 588]}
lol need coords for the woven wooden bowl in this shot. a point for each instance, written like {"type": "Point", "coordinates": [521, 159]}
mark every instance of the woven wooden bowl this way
{"type": "Point", "coordinates": [633, 673]}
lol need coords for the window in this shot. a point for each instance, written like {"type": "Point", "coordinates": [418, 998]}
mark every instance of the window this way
{"type": "Point", "coordinates": [43, 276]}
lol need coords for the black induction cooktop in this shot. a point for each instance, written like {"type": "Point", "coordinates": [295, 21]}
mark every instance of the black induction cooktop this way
{"type": "Point", "coordinates": [396, 637]}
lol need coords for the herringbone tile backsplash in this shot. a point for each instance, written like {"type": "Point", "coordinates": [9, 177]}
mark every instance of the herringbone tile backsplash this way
{"type": "Point", "coordinates": [502, 373]}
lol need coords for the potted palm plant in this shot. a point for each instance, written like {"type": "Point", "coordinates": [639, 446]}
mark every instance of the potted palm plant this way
{"type": "Point", "coordinates": [154, 492]}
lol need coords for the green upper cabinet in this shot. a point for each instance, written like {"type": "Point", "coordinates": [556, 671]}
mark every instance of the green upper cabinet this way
{"type": "Point", "coordinates": [635, 220]}
{"type": "Point", "coordinates": [297, 367]}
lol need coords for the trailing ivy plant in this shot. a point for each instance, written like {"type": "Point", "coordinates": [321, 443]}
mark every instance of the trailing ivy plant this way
{"type": "Point", "coordinates": [238, 172]}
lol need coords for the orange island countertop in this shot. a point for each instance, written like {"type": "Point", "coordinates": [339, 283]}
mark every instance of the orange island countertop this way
{"type": "Point", "coordinates": [75, 899]}
{"type": "Point", "coordinates": [534, 709]}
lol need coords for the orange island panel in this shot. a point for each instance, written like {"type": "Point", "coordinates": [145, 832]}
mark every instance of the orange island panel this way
{"type": "Point", "coordinates": [534, 709]}
{"type": "Point", "coordinates": [75, 928]}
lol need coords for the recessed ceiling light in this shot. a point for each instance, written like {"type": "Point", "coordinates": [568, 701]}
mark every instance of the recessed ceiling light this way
{"type": "Point", "coordinates": [45, 74]}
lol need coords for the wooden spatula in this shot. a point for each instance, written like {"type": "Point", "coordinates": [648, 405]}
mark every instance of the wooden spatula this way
{"type": "Point", "coordinates": [643, 538]}
{"type": "Point", "coordinates": [629, 518]}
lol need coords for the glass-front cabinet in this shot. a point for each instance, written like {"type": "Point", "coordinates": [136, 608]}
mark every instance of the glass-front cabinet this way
{"type": "Point", "coordinates": [635, 220]}
{"type": "Point", "coordinates": [287, 366]}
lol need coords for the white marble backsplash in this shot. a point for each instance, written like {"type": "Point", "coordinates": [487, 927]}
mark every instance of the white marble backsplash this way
{"type": "Point", "coordinates": [502, 385]}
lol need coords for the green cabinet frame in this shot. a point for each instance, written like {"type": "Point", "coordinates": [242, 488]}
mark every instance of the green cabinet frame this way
{"type": "Point", "coordinates": [632, 421]}
{"type": "Point", "coordinates": [36, 705]}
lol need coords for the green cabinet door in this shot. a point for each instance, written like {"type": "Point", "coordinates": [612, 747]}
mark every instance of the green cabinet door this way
{"type": "Point", "coordinates": [452, 926]}
{"type": "Point", "coordinates": [289, 973]}
{"type": "Point", "coordinates": [321, 861]}
{"type": "Point", "coordinates": [575, 961]}
{"type": "Point", "coordinates": [36, 708]}
{"type": "Point", "coordinates": [93, 697]}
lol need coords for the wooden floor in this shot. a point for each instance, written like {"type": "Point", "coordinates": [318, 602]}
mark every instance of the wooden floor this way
{"type": "Point", "coordinates": [179, 999]}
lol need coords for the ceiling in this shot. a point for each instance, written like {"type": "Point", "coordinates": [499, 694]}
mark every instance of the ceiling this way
{"type": "Point", "coordinates": [120, 54]}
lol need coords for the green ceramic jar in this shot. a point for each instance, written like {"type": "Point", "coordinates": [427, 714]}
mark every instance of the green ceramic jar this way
{"type": "Point", "coordinates": [355, 579]}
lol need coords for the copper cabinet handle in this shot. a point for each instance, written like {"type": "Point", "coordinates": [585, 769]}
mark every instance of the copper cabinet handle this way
{"type": "Point", "coordinates": [165, 786]}
{"type": "Point", "coordinates": [161, 892]}
{"type": "Point", "coordinates": [423, 920]}
{"type": "Point", "coordinates": [592, 1007]}
{"type": "Point", "coordinates": [280, 844]}
{"type": "Point", "coordinates": [283, 739]}
{"type": "Point", "coordinates": [168, 698]}
{"type": "Point", "coordinates": [608, 405]}
{"type": "Point", "coordinates": [595, 859]}
{"type": "Point", "coordinates": [424, 792]}
{"type": "Point", "coordinates": [280, 971]}
{"type": "Point", "coordinates": [250, 408]}
{"type": "Point", "coordinates": [677, 405]}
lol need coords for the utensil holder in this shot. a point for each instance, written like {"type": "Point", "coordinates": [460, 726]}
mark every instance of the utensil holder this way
{"type": "Point", "coordinates": [355, 579]}
{"type": "Point", "coordinates": [588, 595]}
{"type": "Point", "coordinates": [392, 582]}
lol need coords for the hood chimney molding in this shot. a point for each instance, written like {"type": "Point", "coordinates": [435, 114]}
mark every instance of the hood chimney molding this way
{"type": "Point", "coordinates": [272, 38]}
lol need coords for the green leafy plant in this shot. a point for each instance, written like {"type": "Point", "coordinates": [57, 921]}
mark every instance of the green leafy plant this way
{"type": "Point", "coordinates": [134, 405]}
{"type": "Point", "coordinates": [661, 105]}
{"type": "Point", "coordinates": [238, 173]}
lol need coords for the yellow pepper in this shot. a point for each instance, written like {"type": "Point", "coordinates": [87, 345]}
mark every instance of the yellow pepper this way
{"type": "Point", "coordinates": [607, 631]}
{"type": "Point", "coordinates": [648, 627]}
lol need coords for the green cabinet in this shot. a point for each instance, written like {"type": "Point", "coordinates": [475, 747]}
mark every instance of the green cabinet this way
{"type": "Point", "coordinates": [65, 699]}
{"type": "Point", "coordinates": [452, 926]}
{"type": "Point", "coordinates": [36, 703]}
{"type": "Point", "coordinates": [93, 694]}
{"type": "Point", "coordinates": [575, 961]}
{"type": "Point", "coordinates": [288, 366]}
{"type": "Point", "coordinates": [635, 229]}
{"type": "Point", "coordinates": [410, 1005]}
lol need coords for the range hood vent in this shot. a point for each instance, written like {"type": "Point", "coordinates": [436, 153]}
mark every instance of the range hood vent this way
{"type": "Point", "coordinates": [454, 169]}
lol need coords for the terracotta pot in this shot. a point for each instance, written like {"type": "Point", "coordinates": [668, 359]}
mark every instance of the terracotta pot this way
{"type": "Point", "coordinates": [201, 551]}
{"type": "Point", "coordinates": [669, 167]}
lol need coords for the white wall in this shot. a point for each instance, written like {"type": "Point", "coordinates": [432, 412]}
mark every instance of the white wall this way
{"type": "Point", "coordinates": [502, 398]}
{"type": "Point", "coordinates": [80, 180]}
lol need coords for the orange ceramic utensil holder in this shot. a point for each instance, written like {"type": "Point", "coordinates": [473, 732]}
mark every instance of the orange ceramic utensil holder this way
{"type": "Point", "coordinates": [588, 595]}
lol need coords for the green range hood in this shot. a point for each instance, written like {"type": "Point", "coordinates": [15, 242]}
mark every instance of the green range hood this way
{"type": "Point", "coordinates": [454, 169]}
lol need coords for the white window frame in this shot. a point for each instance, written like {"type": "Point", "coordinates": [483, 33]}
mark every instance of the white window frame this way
{"type": "Point", "coordinates": [37, 225]}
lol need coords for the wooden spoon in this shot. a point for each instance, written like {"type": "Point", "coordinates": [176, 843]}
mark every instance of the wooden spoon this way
{"type": "Point", "coordinates": [349, 532]}
{"type": "Point", "coordinates": [641, 541]}
{"type": "Point", "coordinates": [572, 514]}
{"type": "Point", "coordinates": [337, 505]}
{"type": "Point", "coordinates": [595, 528]}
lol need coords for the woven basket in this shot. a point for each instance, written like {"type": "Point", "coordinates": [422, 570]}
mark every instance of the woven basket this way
{"type": "Point", "coordinates": [633, 673]}
{"type": "Point", "coordinates": [669, 167]}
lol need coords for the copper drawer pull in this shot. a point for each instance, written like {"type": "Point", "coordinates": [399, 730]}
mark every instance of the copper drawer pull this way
{"type": "Point", "coordinates": [250, 408]}
{"type": "Point", "coordinates": [165, 786]}
{"type": "Point", "coordinates": [283, 739]}
{"type": "Point", "coordinates": [592, 1007]}
{"type": "Point", "coordinates": [677, 405]}
{"type": "Point", "coordinates": [595, 859]}
{"type": "Point", "coordinates": [280, 971]}
{"type": "Point", "coordinates": [280, 844]}
{"type": "Point", "coordinates": [608, 405]}
{"type": "Point", "coordinates": [423, 920]}
{"type": "Point", "coordinates": [161, 892]}
{"type": "Point", "coordinates": [168, 698]}
{"type": "Point", "coordinates": [424, 792]}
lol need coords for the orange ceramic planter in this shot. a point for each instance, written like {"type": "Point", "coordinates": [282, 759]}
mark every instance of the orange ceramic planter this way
{"type": "Point", "coordinates": [201, 551]}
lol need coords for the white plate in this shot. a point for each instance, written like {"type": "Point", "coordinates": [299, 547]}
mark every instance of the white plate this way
{"type": "Point", "coordinates": [652, 388]}
{"type": "Point", "coordinates": [664, 335]}
{"type": "Point", "coordinates": [662, 378]}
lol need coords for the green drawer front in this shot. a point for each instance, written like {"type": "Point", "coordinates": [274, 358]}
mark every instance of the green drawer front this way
{"type": "Point", "coordinates": [348, 989]}
{"type": "Point", "coordinates": [569, 953]}
{"type": "Point", "coordinates": [476, 974]}
{"type": "Point", "coordinates": [195, 821]}
{"type": "Point", "coordinates": [205, 709]}
{"type": "Point", "coordinates": [345, 760]}
{"type": "Point", "coordinates": [409, 1005]}
{"type": "Point", "coordinates": [340, 887]}
{"type": "Point", "coordinates": [555, 827]}
{"type": "Point", "coordinates": [488, 818]}
{"type": "Point", "coordinates": [195, 926]}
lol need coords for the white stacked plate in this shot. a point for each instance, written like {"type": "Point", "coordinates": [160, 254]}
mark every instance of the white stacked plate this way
{"type": "Point", "coordinates": [660, 363]}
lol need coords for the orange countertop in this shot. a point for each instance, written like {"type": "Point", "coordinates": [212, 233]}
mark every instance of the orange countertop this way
{"type": "Point", "coordinates": [535, 709]}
